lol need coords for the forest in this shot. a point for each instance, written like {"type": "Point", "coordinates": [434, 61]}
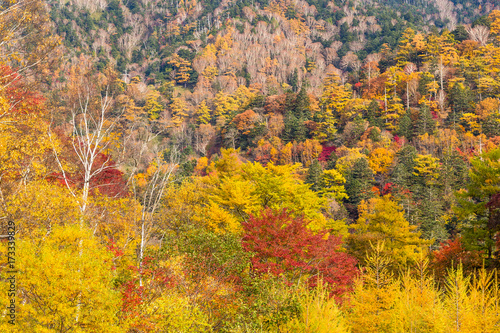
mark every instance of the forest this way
{"type": "Point", "coordinates": [249, 166]}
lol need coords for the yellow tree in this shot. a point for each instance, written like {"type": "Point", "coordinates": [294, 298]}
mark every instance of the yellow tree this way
{"type": "Point", "coordinates": [487, 107]}
{"type": "Point", "coordinates": [332, 185]}
{"type": "Point", "coordinates": [426, 167]}
{"type": "Point", "coordinates": [114, 220]}
{"type": "Point", "coordinates": [419, 306]}
{"type": "Point", "coordinates": [309, 151]}
{"type": "Point", "coordinates": [345, 163]}
{"type": "Point", "coordinates": [24, 134]}
{"type": "Point", "coordinates": [41, 203]}
{"type": "Point", "coordinates": [495, 24]}
{"type": "Point", "coordinates": [56, 282]}
{"type": "Point", "coordinates": [225, 105]}
{"type": "Point", "coordinates": [382, 219]}
{"type": "Point", "coordinates": [393, 108]}
{"type": "Point", "coordinates": [203, 113]}
{"type": "Point", "coordinates": [26, 39]}
{"type": "Point", "coordinates": [405, 49]}
{"type": "Point", "coordinates": [456, 299]}
{"type": "Point", "coordinates": [411, 47]}
{"type": "Point", "coordinates": [370, 306]}
{"type": "Point", "coordinates": [153, 106]}
{"type": "Point", "coordinates": [380, 160]}
{"type": "Point", "coordinates": [481, 311]}
{"type": "Point", "coordinates": [320, 313]}
{"type": "Point", "coordinates": [179, 111]}
{"type": "Point", "coordinates": [179, 207]}
{"type": "Point", "coordinates": [244, 95]}
{"type": "Point", "coordinates": [335, 98]}
{"type": "Point", "coordinates": [183, 68]}
{"type": "Point", "coordinates": [278, 187]}
{"type": "Point", "coordinates": [234, 190]}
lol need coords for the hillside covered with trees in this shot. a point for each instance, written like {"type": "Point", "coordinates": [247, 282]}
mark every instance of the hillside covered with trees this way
{"type": "Point", "coordinates": [249, 166]}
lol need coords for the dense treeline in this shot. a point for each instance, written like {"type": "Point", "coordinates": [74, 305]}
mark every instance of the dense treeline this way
{"type": "Point", "coordinates": [165, 40]}
{"type": "Point", "coordinates": [242, 190]}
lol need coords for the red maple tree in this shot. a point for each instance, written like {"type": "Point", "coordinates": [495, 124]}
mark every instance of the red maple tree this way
{"type": "Point", "coordinates": [284, 246]}
{"type": "Point", "coordinates": [109, 182]}
{"type": "Point", "coordinates": [452, 253]}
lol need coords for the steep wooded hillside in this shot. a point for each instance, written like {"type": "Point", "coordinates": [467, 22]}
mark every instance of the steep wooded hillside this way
{"type": "Point", "coordinates": [209, 46]}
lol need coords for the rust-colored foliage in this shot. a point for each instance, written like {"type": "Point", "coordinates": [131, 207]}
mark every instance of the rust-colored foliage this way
{"type": "Point", "coordinates": [451, 254]}
{"type": "Point", "coordinates": [109, 182]}
{"type": "Point", "coordinates": [143, 289]}
{"type": "Point", "coordinates": [284, 246]}
{"type": "Point", "coordinates": [18, 94]}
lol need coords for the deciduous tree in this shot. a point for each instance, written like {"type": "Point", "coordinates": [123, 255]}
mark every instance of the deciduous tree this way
{"type": "Point", "coordinates": [284, 245]}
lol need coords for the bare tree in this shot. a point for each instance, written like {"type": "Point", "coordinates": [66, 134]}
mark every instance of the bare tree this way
{"type": "Point", "coordinates": [91, 5]}
{"type": "Point", "coordinates": [150, 196]}
{"type": "Point", "coordinates": [446, 12]}
{"type": "Point", "coordinates": [146, 154]}
{"type": "Point", "coordinates": [231, 136]}
{"type": "Point", "coordinates": [409, 69]}
{"type": "Point", "coordinates": [350, 60]}
{"type": "Point", "coordinates": [203, 135]}
{"type": "Point", "coordinates": [479, 33]}
{"type": "Point", "coordinates": [88, 142]}
{"type": "Point", "coordinates": [91, 130]}
{"type": "Point", "coordinates": [92, 127]}
{"type": "Point", "coordinates": [130, 40]}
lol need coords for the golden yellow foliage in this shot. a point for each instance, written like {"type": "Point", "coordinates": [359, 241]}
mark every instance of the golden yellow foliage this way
{"type": "Point", "coordinates": [319, 313]}
{"type": "Point", "coordinates": [345, 163]}
{"type": "Point", "coordinates": [382, 219]}
{"type": "Point", "coordinates": [64, 282]}
{"type": "Point", "coordinates": [42, 204]}
{"type": "Point", "coordinates": [179, 111]}
{"type": "Point", "coordinates": [374, 294]}
{"type": "Point", "coordinates": [380, 160]}
{"type": "Point", "coordinates": [427, 168]}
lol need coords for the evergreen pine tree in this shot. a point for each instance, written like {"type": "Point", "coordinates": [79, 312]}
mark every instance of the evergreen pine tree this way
{"type": "Point", "coordinates": [359, 182]}
{"type": "Point", "coordinates": [289, 129]}
{"type": "Point", "coordinates": [302, 104]}
{"type": "Point", "coordinates": [314, 175]}
{"type": "Point", "coordinates": [294, 80]}
{"type": "Point", "coordinates": [405, 126]}
{"type": "Point", "coordinates": [373, 114]}
{"type": "Point", "coordinates": [402, 172]}
{"type": "Point", "coordinates": [461, 101]}
{"type": "Point", "coordinates": [425, 123]}
{"type": "Point", "coordinates": [299, 130]}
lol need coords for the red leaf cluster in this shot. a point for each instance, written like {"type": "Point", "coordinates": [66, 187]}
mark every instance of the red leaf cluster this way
{"type": "Point", "coordinates": [113, 248]}
{"type": "Point", "coordinates": [387, 188]}
{"type": "Point", "coordinates": [284, 246]}
{"type": "Point", "coordinates": [325, 153]}
{"type": "Point", "coordinates": [155, 280]}
{"type": "Point", "coordinates": [452, 253]}
{"type": "Point", "coordinates": [109, 182]}
{"type": "Point", "coordinates": [21, 97]}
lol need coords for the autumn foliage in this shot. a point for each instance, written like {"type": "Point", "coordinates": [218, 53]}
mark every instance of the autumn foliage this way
{"type": "Point", "coordinates": [215, 166]}
{"type": "Point", "coordinates": [109, 182]}
{"type": "Point", "coordinates": [283, 246]}
{"type": "Point", "coordinates": [453, 253]}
